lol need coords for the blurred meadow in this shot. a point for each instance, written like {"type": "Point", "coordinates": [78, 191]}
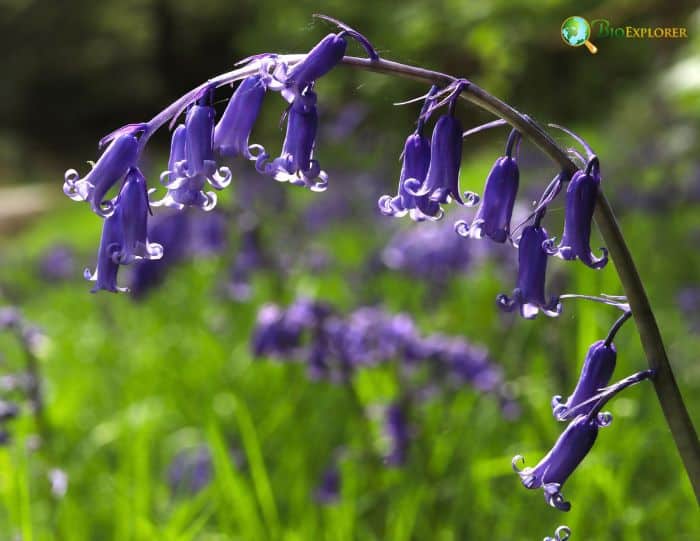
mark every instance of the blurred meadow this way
{"type": "Point", "coordinates": [151, 415]}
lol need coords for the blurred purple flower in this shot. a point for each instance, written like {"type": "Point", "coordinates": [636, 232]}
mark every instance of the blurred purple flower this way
{"type": "Point", "coordinates": [328, 490]}
{"type": "Point", "coordinates": [57, 264]}
{"type": "Point", "coordinates": [190, 471]}
{"type": "Point", "coordinates": [397, 432]}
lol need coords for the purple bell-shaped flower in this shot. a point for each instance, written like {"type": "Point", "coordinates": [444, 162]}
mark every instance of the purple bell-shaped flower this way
{"type": "Point", "coordinates": [580, 203]}
{"type": "Point", "coordinates": [296, 164]}
{"type": "Point", "coordinates": [111, 246]}
{"type": "Point", "coordinates": [120, 155]}
{"type": "Point", "coordinates": [233, 130]}
{"type": "Point", "coordinates": [191, 165]}
{"type": "Point", "coordinates": [415, 165]}
{"type": "Point", "coordinates": [529, 296]}
{"type": "Point", "coordinates": [496, 208]}
{"type": "Point", "coordinates": [556, 467]}
{"type": "Point", "coordinates": [134, 209]}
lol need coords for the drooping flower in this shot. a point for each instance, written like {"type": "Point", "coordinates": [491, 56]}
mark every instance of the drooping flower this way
{"type": "Point", "coordinates": [555, 468]}
{"type": "Point", "coordinates": [120, 155]}
{"type": "Point", "coordinates": [296, 164]}
{"type": "Point", "coordinates": [325, 55]}
{"type": "Point", "coordinates": [573, 444]}
{"type": "Point", "coordinates": [232, 131]}
{"type": "Point", "coordinates": [598, 368]}
{"type": "Point", "coordinates": [192, 162]}
{"type": "Point", "coordinates": [496, 208]}
{"type": "Point", "coordinates": [111, 245]}
{"type": "Point", "coordinates": [580, 203]}
{"type": "Point", "coordinates": [415, 165]}
{"type": "Point", "coordinates": [442, 179]}
{"type": "Point", "coordinates": [529, 295]}
{"type": "Point", "coordinates": [134, 209]}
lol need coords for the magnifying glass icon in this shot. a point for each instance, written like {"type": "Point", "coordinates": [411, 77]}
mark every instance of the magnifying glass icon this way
{"type": "Point", "coordinates": [575, 32]}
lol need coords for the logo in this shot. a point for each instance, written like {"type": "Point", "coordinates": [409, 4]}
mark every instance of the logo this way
{"type": "Point", "coordinates": [577, 31]}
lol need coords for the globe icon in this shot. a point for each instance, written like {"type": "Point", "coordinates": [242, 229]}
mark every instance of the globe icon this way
{"type": "Point", "coordinates": [575, 31]}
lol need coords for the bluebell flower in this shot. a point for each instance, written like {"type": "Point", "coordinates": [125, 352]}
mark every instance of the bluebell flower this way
{"type": "Point", "coordinates": [119, 157]}
{"type": "Point", "coordinates": [414, 169]}
{"type": "Point", "coordinates": [111, 246]}
{"type": "Point", "coordinates": [57, 264]}
{"type": "Point", "coordinates": [134, 210]}
{"type": "Point", "coordinates": [573, 444]}
{"type": "Point", "coordinates": [581, 198]}
{"type": "Point", "coordinates": [296, 164]}
{"type": "Point", "coordinates": [496, 208]}
{"type": "Point", "coordinates": [555, 468]}
{"type": "Point", "coordinates": [328, 490]}
{"type": "Point", "coordinates": [529, 296]}
{"type": "Point", "coordinates": [325, 55]}
{"type": "Point", "coordinates": [191, 470]}
{"type": "Point", "coordinates": [192, 165]}
{"type": "Point", "coordinates": [172, 232]}
{"type": "Point", "coordinates": [397, 432]}
{"type": "Point", "coordinates": [598, 368]}
{"type": "Point", "coordinates": [442, 179]}
{"type": "Point", "coordinates": [232, 132]}
{"type": "Point", "coordinates": [432, 253]}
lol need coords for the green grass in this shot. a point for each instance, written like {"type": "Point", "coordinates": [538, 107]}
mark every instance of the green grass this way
{"type": "Point", "coordinates": [128, 385]}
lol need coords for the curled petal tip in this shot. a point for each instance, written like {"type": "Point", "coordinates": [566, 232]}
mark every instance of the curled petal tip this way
{"type": "Point", "coordinates": [471, 199]}
{"type": "Point", "coordinates": [462, 228]}
{"type": "Point", "coordinates": [516, 462]}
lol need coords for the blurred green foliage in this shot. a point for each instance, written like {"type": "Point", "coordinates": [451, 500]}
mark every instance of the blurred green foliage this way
{"type": "Point", "coordinates": [129, 385]}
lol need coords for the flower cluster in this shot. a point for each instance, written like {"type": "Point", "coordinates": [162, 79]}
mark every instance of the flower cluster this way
{"type": "Point", "coordinates": [335, 347]}
{"type": "Point", "coordinates": [583, 408]}
{"type": "Point", "coordinates": [197, 144]}
{"type": "Point", "coordinates": [25, 382]}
